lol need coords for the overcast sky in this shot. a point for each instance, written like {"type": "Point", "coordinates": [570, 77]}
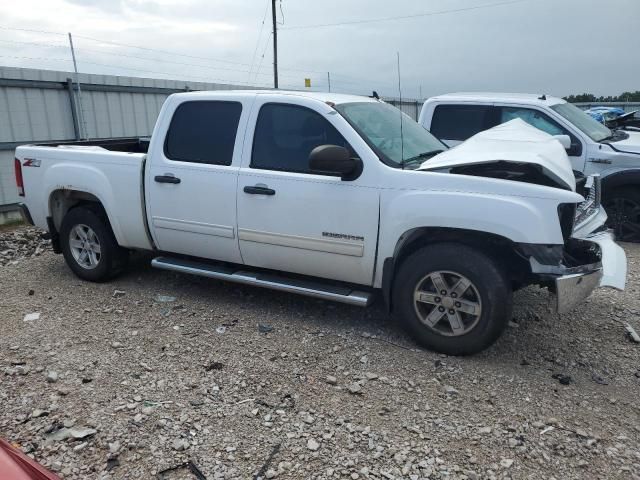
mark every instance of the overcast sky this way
{"type": "Point", "coordinates": [554, 46]}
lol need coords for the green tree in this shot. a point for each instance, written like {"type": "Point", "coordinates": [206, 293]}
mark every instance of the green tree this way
{"type": "Point", "coordinates": [591, 98]}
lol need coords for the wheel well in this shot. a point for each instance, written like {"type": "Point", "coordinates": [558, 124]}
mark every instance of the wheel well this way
{"type": "Point", "coordinates": [499, 248]}
{"type": "Point", "coordinates": [621, 186]}
{"type": "Point", "coordinates": [61, 201]}
{"type": "Point", "coordinates": [621, 180]}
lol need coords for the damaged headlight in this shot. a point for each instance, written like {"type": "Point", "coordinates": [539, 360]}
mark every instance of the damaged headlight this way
{"type": "Point", "coordinates": [591, 205]}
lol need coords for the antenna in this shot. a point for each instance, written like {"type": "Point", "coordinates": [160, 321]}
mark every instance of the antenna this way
{"type": "Point", "coordinates": [401, 130]}
{"type": "Point", "coordinates": [275, 43]}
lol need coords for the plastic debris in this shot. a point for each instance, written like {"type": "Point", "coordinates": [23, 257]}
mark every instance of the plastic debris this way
{"type": "Point", "coordinates": [31, 317]}
{"type": "Point", "coordinates": [165, 298]}
{"type": "Point", "coordinates": [264, 328]}
{"type": "Point", "coordinates": [632, 334]}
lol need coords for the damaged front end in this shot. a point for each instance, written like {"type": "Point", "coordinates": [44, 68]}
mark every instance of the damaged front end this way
{"type": "Point", "coordinates": [589, 258]}
{"type": "Point", "coordinates": [573, 270]}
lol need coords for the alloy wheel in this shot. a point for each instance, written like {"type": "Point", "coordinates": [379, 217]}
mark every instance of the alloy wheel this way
{"type": "Point", "coordinates": [448, 303]}
{"type": "Point", "coordinates": [85, 246]}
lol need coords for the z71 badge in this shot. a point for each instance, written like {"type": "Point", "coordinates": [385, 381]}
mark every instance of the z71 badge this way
{"type": "Point", "coordinates": [31, 162]}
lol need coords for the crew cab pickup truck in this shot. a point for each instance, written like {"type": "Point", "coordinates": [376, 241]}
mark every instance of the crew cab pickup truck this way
{"type": "Point", "coordinates": [331, 196]}
{"type": "Point", "coordinates": [592, 147]}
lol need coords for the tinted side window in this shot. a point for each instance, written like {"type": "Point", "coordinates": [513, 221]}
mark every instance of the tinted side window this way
{"type": "Point", "coordinates": [533, 117]}
{"type": "Point", "coordinates": [459, 122]}
{"type": "Point", "coordinates": [203, 132]}
{"type": "Point", "coordinates": [286, 134]}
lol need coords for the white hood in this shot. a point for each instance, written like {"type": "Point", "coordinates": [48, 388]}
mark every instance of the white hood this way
{"type": "Point", "coordinates": [628, 145]}
{"type": "Point", "coordinates": [515, 141]}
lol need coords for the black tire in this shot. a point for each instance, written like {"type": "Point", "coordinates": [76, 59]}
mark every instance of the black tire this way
{"type": "Point", "coordinates": [490, 286]}
{"type": "Point", "coordinates": [111, 260]}
{"type": "Point", "coordinates": [623, 210]}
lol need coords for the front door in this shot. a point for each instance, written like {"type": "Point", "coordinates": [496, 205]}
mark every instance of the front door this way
{"type": "Point", "coordinates": [291, 219]}
{"type": "Point", "coordinates": [191, 182]}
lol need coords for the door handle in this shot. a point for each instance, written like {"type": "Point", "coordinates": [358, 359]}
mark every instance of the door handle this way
{"type": "Point", "coordinates": [166, 179]}
{"type": "Point", "coordinates": [257, 190]}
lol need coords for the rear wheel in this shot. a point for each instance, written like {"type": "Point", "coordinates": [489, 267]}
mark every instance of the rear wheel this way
{"type": "Point", "coordinates": [623, 210]}
{"type": "Point", "coordinates": [452, 298]}
{"type": "Point", "coordinates": [89, 246]}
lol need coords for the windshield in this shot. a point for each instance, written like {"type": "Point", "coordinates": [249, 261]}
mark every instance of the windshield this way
{"type": "Point", "coordinates": [594, 129]}
{"type": "Point", "coordinates": [379, 124]}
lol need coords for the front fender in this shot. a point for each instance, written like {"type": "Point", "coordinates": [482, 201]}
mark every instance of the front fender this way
{"type": "Point", "coordinates": [516, 218]}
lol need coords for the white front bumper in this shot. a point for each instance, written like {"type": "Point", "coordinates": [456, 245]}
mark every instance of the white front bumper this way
{"type": "Point", "coordinates": [614, 260]}
{"type": "Point", "coordinates": [572, 289]}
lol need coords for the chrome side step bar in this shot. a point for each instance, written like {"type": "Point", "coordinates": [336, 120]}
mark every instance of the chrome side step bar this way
{"type": "Point", "coordinates": [275, 282]}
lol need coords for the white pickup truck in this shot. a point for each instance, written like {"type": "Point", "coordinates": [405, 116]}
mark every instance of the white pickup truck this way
{"type": "Point", "coordinates": [592, 147]}
{"type": "Point", "coordinates": [332, 196]}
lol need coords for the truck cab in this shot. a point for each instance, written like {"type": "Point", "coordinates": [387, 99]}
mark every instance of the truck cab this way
{"type": "Point", "coordinates": [593, 148]}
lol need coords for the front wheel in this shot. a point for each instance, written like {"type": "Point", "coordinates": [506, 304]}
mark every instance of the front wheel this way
{"type": "Point", "coordinates": [452, 298]}
{"type": "Point", "coordinates": [623, 211]}
{"type": "Point", "coordinates": [89, 246]}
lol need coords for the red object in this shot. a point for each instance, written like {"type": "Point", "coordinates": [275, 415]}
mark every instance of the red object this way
{"type": "Point", "coordinates": [15, 465]}
{"type": "Point", "coordinates": [19, 181]}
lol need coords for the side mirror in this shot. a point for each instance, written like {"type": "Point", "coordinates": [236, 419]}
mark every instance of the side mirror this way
{"type": "Point", "coordinates": [334, 160]}
{"type": "Point", "coordinates": [565, 141]}
{"type": "Point", "coordinates": [575, 150]}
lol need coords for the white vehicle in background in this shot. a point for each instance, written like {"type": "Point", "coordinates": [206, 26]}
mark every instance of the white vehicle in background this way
{"type": "Point", "coordinates": [327, 195]}
{"type": "Point", "coordinates": [592, 148]}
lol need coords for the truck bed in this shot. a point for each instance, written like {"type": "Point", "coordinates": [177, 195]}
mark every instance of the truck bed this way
{"type": "Point", "coordinates": [109, 170]}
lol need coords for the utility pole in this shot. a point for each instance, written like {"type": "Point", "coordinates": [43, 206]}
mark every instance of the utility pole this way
{"type": "Point", "coordinates": [83, 126]}
{"type": "Point", "coordinates": [275, 44]}
{"type": "Point", "coordinates": [329, 80]}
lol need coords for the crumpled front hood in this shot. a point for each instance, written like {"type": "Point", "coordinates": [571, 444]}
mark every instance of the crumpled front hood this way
{"type": "Point", "coordinates": [628, 145]}
{"type": "Point", "coordinates": [513, 142]}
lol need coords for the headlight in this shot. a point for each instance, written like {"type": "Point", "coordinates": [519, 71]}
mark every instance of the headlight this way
{"type": "Point", "coordinates": [591, 205]}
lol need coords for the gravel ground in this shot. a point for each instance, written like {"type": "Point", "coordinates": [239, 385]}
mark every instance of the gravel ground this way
{"type": "Point", "coordinates": [126, 379]}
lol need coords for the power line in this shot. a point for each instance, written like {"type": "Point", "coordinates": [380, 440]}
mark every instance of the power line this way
{"type": "Point", "coordinates": [263, 54]}
{"type": "Point", "coordinates": [402, 17]}
{"type": "Point", "coordinates": [165, 52]}
{"type": "Point", "coordinates": [40, 44]}
{"type": "Point", "coordinates": [32, 30]}
{"type": "Point", "coordinates": [336, 77]}
{"type": "Point", "coordinates": [255, 50]}
{"type": "Point", "coordinates": [117, 54]}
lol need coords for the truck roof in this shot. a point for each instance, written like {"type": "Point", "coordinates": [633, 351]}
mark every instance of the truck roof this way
{"type": "Point", "coordinates": [520, 98]}
{"type": "Point", "coordinates": [337, 98]}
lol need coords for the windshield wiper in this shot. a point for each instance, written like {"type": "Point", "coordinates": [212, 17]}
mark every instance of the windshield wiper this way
{"type": "Point", "coordinates": [421, 156]}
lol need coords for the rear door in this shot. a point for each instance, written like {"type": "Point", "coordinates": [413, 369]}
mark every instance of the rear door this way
{"type": "Point", "coordinates": [292, 219]}
{"type": "Point", "coordinates": [455, 123]}
{"type": "Point", "coordinates": [192, 177]}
